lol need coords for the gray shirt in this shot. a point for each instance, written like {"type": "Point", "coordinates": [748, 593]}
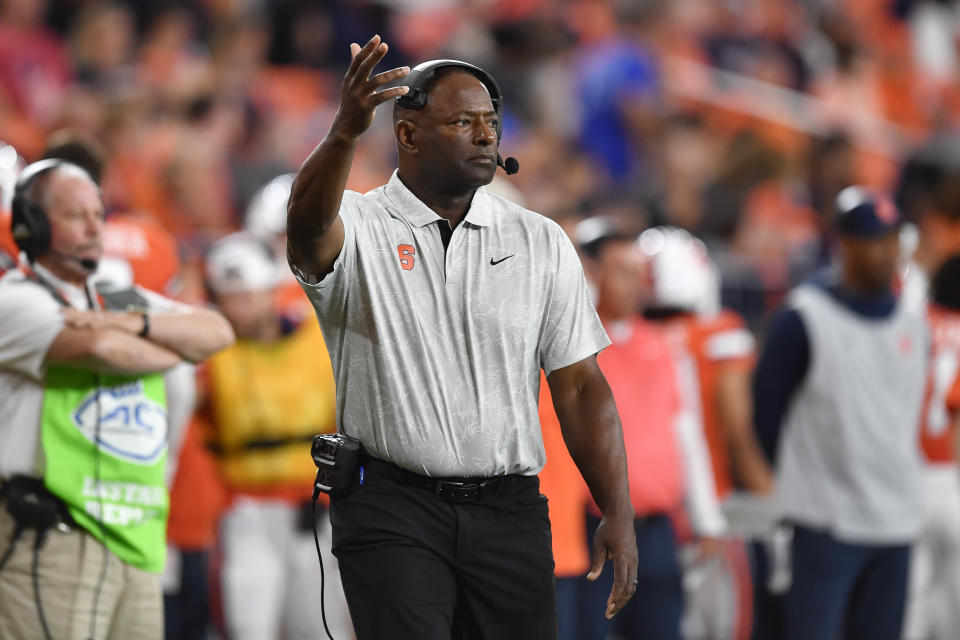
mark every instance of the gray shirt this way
{"type": "Point", "coordinates": [437, 351]}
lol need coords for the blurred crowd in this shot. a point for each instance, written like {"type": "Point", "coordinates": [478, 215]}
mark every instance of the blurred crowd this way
{"type": "Point", "coordinates": [738, 121]}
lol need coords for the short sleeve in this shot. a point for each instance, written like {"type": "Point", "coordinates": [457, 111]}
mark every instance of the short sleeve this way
{"type": "Point", "coordinates": [571, 330]}
{"type": "Point", "coordinates": [730, 344]}
{"type": "Point", "coordinates": [323, 291]}
{"type": "Point", "coordinates": [30, 320]}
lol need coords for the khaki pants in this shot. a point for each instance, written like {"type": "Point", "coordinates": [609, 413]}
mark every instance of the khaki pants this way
{"type": "Point", "coordinates": [70, 565]}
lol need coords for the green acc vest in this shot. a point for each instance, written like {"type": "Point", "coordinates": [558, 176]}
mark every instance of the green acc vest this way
{"type": "Point", "coordinates": [117, 493]}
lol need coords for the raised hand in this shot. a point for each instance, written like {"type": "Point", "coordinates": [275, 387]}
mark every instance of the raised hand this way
{"type": "Point", "coordinates": [314, 230]}
{"type": "Point", "coordinates": [359, 97]}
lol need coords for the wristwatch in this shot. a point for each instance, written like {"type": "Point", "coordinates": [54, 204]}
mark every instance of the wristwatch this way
{"type": "Point", "coordinates": [146, 324]}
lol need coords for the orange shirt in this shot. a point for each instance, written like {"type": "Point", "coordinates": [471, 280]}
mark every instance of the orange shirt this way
{"type": "Point", "coordinates": [8, 248]}
{"type": "Point", "coordinates": [292, 301]}
{"type": "Point", "coordinates": [197, 495]}
{"type": "Point", "coordinates": [640, 369]}
{"type": "Point", "coordinates": [707, 345]}
{"type": "Point", "coordinates": [149, 250]}
{"type": "Point", "coordinates": [938, 422]}
{"type": "Point", "coordinates": [563, 485]}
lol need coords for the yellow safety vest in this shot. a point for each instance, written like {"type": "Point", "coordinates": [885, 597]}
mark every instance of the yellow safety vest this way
{"type": "Point", "coordinates": [267, 401]}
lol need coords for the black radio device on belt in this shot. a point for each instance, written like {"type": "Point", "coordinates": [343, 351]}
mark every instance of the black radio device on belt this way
{"type": "Point", "coordinates": [337, 457]}
{"type": "Point", "coordinates": [31, 505]}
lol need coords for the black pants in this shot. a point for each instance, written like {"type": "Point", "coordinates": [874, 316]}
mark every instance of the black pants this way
{"type": "Point", "coordinates": [415, 567]}
{"type": "Point", "coordinates": [857, 589]}
{"type": "Point", "coordinates": [186, 611]}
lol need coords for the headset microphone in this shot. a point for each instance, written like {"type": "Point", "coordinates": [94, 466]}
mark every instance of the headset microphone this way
{"type": "Point", "coordinates": [87, 264]}
{"type": "Point", "coordinates": [510, 165]}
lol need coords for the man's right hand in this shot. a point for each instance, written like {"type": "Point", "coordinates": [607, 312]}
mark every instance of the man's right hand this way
{"type": "Point", "coordinates": [315, 233]}
{"type": "Point", "coordinates": [616, 540]}
{"type": "Point", "coordinates": [359, 97]}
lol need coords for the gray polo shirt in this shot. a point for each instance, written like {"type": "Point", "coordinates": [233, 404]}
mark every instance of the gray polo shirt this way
{"type": "Point", "coordinates": [437, 351]}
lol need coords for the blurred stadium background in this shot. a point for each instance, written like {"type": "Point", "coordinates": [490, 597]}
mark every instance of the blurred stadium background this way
{"type": "Point", "coordinates": [738, 120]}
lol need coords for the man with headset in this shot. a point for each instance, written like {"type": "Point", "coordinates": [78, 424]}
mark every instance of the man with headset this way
{"type": "Point", "coordinates": [440, 302]}
{"type": "Point", "coordinates": [83, 440]}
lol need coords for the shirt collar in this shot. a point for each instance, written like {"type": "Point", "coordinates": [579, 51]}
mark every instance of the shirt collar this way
{"type": "Point", "coordinates": [78, 297]}
{"type": "Point", "coordinates": [479, 212]}
{"type": "Point", "coordinates": [419, 214]}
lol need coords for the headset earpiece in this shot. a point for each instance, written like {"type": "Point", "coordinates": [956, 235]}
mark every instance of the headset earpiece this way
{"type": "Point", "coordinates": [28, 222]}
{"type": "Point", "coordinates": [421, 75]}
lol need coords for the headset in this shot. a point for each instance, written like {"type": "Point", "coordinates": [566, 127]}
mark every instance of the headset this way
{"type": "Point", "coordinates": [416, 98]}
{"type": "Point", "coordinates": [29, 224]}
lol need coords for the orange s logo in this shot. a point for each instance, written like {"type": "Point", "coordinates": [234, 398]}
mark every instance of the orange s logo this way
{"type": "Point", "coordinates": [406, 251]}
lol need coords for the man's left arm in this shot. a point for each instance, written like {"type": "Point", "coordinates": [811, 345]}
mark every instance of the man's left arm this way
{"type": "Point", "coordinates": [780, 372]}
{"type": "Point", "coordinates": [735, 412]}
{"type": "Point", "coordinates": [593, 435]}
{"type": "Point", "coordinates": [193, 333]}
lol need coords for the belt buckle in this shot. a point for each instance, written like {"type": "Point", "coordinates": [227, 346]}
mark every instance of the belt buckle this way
{"type": "Point", "coordinates": [454, 491]}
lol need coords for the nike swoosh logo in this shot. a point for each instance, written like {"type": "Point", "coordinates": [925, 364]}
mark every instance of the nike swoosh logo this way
{"type": "Point", "coordinates": [495, 262]}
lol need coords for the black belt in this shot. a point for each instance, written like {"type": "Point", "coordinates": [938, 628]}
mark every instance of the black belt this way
{"type": "Point", "coordinates": [449, 489]}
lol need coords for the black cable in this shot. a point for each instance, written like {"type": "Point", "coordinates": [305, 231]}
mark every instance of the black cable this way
{"type": "Point", "coordinates": [17, 532]}
{"type": "Point", "coordinates": [99, 519]}
{"type": "Point", "coordinates": [38, 541]}
{"type": "Point", "coordinates": [316, 540]}
{"type": "Point", "coordinates": [8, 553]}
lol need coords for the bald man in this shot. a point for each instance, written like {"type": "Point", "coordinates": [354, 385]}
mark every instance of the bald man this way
{"type": "Point", "coordinates": [83, 441]}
